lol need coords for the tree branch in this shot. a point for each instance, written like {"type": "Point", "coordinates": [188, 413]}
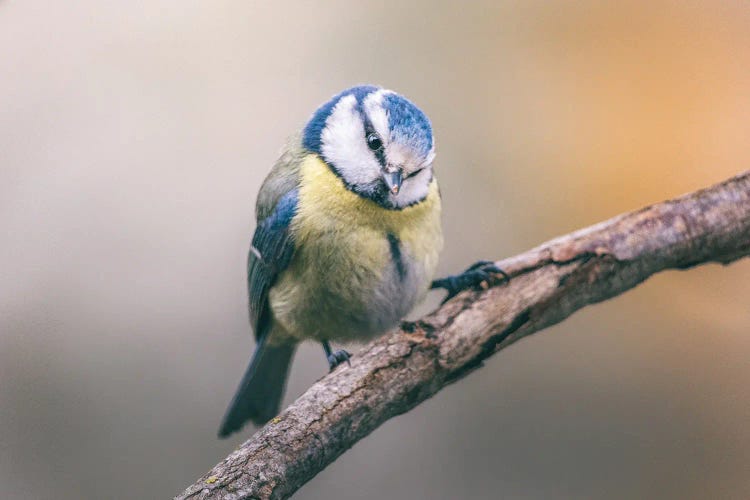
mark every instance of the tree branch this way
{"type": "Point", "coordinates": [400, 370]}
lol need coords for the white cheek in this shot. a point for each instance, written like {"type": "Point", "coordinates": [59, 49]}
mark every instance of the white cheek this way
{"type": "Point", "coordinates": [413, 189]}
{"type": "Point", "coordinates": [397, 154]}
{"type": "Point", "coordinates": [344, 146]}
{"type": "Point", "coordinates": [430, 156]}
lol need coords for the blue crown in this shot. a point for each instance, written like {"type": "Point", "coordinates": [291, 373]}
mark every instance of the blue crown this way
{"type": "Point", "coordinates": [407, 122]}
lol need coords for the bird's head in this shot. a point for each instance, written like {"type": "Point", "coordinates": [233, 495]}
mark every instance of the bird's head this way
{"type": "Point", "coordinates": [377, 142]}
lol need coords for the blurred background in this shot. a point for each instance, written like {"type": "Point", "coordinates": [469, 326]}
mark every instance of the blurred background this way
{"type": "Point", "coordinates": [134, 137]}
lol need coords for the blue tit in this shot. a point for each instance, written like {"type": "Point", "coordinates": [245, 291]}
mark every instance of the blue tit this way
{"type": "Point", "coordinates": [347, 238]}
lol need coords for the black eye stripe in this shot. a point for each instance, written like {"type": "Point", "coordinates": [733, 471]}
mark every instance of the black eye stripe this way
{"type": "Point", "coordinates": [414, 173]}
{"type": "Point", "coordinates": [378, 151]}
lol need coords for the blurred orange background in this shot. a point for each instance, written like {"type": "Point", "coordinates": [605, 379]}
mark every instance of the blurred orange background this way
{"type": "Point", "coordinates": [134, 137]}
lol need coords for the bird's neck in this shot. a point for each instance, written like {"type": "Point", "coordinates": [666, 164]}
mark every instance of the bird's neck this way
{"type": "Point", "coordinates": [323, 195]}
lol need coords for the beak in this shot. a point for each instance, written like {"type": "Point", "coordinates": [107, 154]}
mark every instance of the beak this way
{"type": "Point", "coordinates": [393, 178]}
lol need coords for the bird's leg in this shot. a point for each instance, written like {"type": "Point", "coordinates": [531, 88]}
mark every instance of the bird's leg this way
{"type": "Point", "coordinates": [476, 274]}
{"type": "Point", "coordinates": [335, 358]}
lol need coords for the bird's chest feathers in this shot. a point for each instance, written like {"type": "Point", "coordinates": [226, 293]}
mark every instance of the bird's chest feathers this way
{"type": "Point", "coordinates": [357, 268]}
{"type": "Point", "coordinates": [335, 223]}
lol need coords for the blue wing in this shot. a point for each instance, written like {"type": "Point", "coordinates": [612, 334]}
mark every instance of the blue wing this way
{"type": "Point", "coordinates": [271, 252]}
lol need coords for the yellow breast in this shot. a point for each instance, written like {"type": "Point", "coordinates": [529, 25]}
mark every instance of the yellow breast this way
{"type": "Point", "coordinates": [343, 281]}
{"type": "Point", "coordinates": [324, 202]}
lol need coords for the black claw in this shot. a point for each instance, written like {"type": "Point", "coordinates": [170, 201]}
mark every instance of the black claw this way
{"type": "Point", "coordinates": [478, 273]}
{"type": "Point", "coordinates": [335, 358]}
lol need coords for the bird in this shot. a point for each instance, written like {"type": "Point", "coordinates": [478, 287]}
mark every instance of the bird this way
{"type": "Point", "coordinates": [347, 239]}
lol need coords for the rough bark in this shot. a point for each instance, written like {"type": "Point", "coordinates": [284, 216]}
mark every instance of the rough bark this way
{"type": "Point", "coordinates": [395, 373]}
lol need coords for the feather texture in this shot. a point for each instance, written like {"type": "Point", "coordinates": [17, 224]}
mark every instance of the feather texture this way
{"type": "Point", "coordinates": [339, 252]}
{"type": "Point", "coordinates": [272, 245]}
{"type": "Point", "coordinates": [343, 282]}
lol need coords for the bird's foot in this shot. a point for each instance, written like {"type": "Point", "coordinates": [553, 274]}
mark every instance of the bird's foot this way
{"type": "Point", "coordinates": [335, 358]}
{"type": "Point", "coordinates": [481, 272]}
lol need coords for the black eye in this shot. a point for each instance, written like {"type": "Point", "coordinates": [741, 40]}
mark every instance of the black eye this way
{"type": "Point", "coordinates": [374, 142]}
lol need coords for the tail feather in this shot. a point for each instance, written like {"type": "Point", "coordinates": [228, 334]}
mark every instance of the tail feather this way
{"type": "Point", "coordinates": [259, 394]}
